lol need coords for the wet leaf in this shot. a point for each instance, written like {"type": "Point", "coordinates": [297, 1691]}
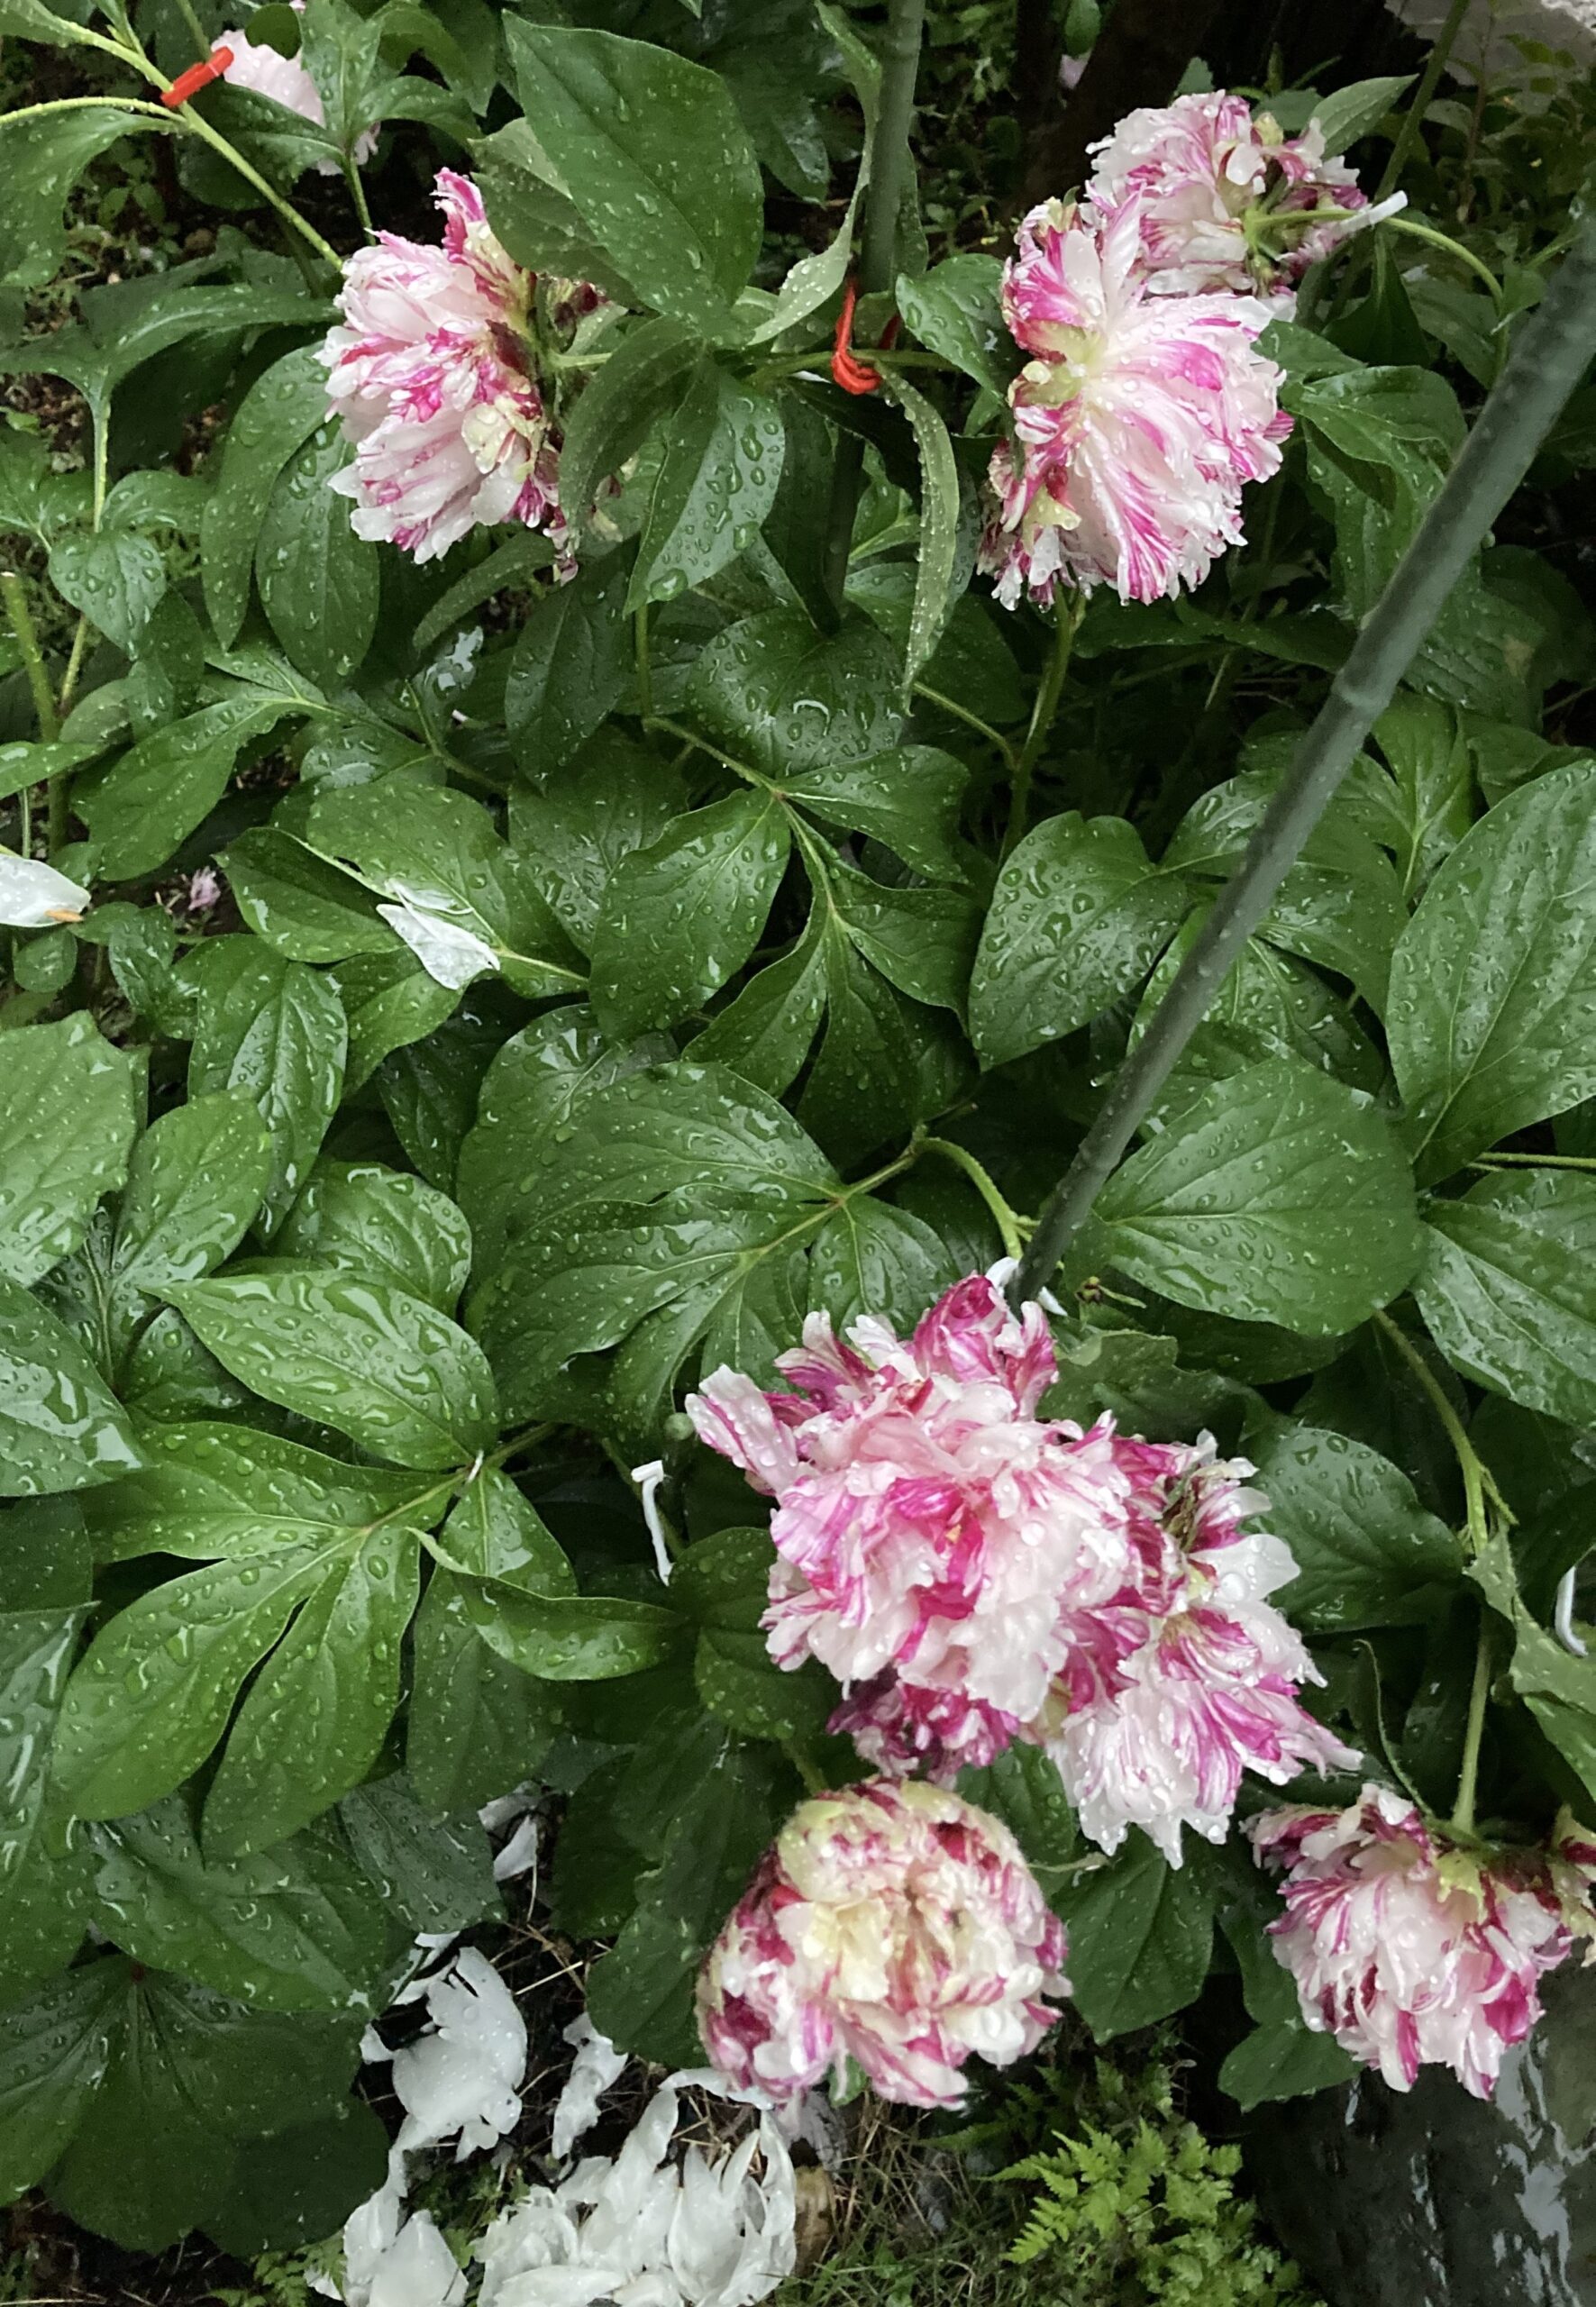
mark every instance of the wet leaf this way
{"type": "Point", "coordinates": [69, 1111]}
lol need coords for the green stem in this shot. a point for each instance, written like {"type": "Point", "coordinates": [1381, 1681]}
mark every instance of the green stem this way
{"type": "Point", "coordinates": [972, 721]}
{"type": "Point", "coordinates": [646, 671]}
{"type": "Point", "coordinates": [1468, 1776]}
{"type": "Point", "coordinates": [1547, 361]}
{"type": "Point", "coordinates": [20, 616]}
{"type": "Point", "coordinates": [1408, 134]}
{"type": "Point", "coordinates": [90, 103]}
{"type": "Point", "coordinates": [1534, 1162]}
{"type": "Point", "coordinates": [1417, 232]}
{"type": "Point", "coordinates": [197, 125]}
{"type": "Point", "coordinates": [202, 38]}
{"type": "Point", "coordinates": [1068, 611]}
{"type": "Point", "coordinates": [1008, 1223]}
{"type": "Point", "coordinates": [878, 256]}
{"type": "Point", "coordinates": [1469, 1463]}
{"type": "Point", "coordinates": [357, 193]}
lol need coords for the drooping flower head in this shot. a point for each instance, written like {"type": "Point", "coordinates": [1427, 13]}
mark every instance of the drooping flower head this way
{"type": "Point", "coordinates": [1192, 1678]}
{"type": "Point", "coordinates": [1137, 420]}
{"type": "Point", "coordinates": [284, 78]}
{"type": "Point", "coordinates": [891, 1924]}
{"type": "Point", "coordinates": [1224, 199]}
{"type": "Point", "coordinates": [931, 1529]}
{"type": "Point", "coordinates": [1412, 1948]}
{"type": "Point", "coordinates": [435, 377]}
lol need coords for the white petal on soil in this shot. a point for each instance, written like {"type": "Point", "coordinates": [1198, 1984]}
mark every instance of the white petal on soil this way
{"type": "Point", "coordinates": [34, 896]}
{"type": "Point", "coordinates": [463, 2075]}
{"type": "Point", "coordinates": [447, 950]}
{"type": "Point", "coordinates": [597, 2066]}
{"type": "Point", "coordinates": [519, 1854]}
{"type": "Point", "coordinates": [644, 2234]}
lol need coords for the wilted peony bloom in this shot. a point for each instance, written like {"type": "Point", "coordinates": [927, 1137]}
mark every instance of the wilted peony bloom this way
{"type": "Point", "coordinates": [1226, 200]}
{"type": "Point", "coordinates": [1192, 1678]}
{"type": "Point", "coordinates": [932, 1530]}
{"type": "Point", "coordinates": [891, 1924]}
{"type": "Point", "coordinates": [434, 379]}
{"type": "Point", "coordinates": [1137, 422]}
{"type": "Point", "coordinates": [286, 81]}
{"type": "Point", "coordinates": [1413, 1948]}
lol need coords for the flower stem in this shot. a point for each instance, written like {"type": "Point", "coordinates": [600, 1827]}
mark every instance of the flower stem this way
{"type": "Point", "coordinates": [1468, 1776]}
{"type": "Point", "coordinates": [889, 170]}
{"type": "Point", "coordinates": [1489, 1161]}
{"type": "Point", "coordinates": [1067, 615]}
{"type": "Point", "coordinates": [197, 125]}
{"type": "Point", "coordinates": [1470, 1465]}
{"type": "Point", "coordinates": [20, 617]}
{"type": "Point", "coordinates": [1417, 232]}
{"type": "Point", "coordinates": [357, 193]}
{"type": "Point", "coordinates": [202, 40]}
{"type": "Point", "coordinates": [1006, 1222]}
{"type": "Point", "coordinates": [972, 721]}
{"type": "Point", "coordinates": [1408, 134]}
{"type": "Point", "coordinates": [1546, 364]}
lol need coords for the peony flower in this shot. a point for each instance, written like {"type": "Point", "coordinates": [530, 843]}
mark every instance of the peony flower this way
{"type": "Point", "coordinates": [1191, 1678]}
{"type": "Point", "coordinates": [286, 81]}
{"type": "Point", "coordinates": [930, 1528]}
{"type": "Point", "coordinates": [1224, 200]}
{"type": "Point", "coordinates": [433, 378]}
{"type": "Point", "coordinates": [1136, 422]}
{"type": "Point", "coordinates": [34, 896]}
{"type": "Point", "coordinates": [1414, 1949]}
{"type": "Point", "coordinates": [891, 1924]}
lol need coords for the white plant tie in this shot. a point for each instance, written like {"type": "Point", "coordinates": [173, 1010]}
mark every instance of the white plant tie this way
{"type": "Point", "coordinates": [649, 1480]}
{"type": "Point", "coordinates": [1562, 1615]}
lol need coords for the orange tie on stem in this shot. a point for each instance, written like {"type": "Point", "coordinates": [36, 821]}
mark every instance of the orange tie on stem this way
{"type": "Point", "coordinates": [197, 76]}
{"type": "Point", "coordinates": [854, 374]}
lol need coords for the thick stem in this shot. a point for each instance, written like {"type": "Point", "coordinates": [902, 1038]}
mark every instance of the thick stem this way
{"type": "Point", "coordinates": [1468, 1776]}
{"type": "Point", "coordinates": [1408, 134]}
{"type": "Point", "coordinates": [1544, 366]}
{"type": "Point", "coordinates": [1068, 612]}
{"type": "Point", "coordinates": [20, 617]}
{"type": "Point", "coordinates": [1470, 1465]}
{"type": "Point", "coordinates": [1428, 233]}
{"type": "Point", "coordinates": [890, 178]}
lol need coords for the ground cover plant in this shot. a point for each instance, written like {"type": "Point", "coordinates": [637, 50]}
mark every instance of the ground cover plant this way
{"type": "Point", "coordinates": [621, 740]}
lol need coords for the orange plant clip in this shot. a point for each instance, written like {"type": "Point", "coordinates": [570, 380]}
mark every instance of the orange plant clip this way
{"type": "Point", "coordinates": [854, 374]}
{"type": "Point", "coordinates": [197, 76]}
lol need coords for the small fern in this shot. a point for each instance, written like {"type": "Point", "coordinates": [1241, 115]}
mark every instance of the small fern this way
{"type": "Point", "coordinates": [1143, 2213]}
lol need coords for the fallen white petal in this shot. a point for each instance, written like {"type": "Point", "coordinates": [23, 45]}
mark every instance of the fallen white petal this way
{"type": "Point", "coordinates": [446, 949]}
{"type": "Point", "coordinates": [463, 2075]}
{"type": "Point", "coordinates": [519, 1854]}
{"type": "Point", "coordinates": [418, 2270]}
{"type": "Point", "coordinates": [34, 896]}
{"type": "Point", "coordinates": [644, 2234]}
{"type": "Point", "coordinates": [597, 2066]}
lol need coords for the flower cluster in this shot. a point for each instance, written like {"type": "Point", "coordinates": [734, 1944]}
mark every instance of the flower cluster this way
{"type": "Point", "coordinates": [973, 1574]}
{"type": "Point", "coordinates": [1412, 1947]}
{"type": "Point", "coordinates": [891, 1924]}
{"type": "Point", "coordinates": [1145, 407]}
{"type": "Point", "coordinates": [434, 376]}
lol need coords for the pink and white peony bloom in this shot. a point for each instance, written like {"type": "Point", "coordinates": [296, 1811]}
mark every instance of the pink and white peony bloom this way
{"type": "Point", "coordinates": [433, 378]}
{"type": "Point", "coordinates": [286, 81]}
{"type": "Point", "coordinates": [1224, 199]}
{"type": "Point", "coordinates": [1192, 1678]}
{"type": "Point", "coordinates": [1413, 1948]}
{"type": "Point", "coordinates": [933, 1532]}
{"type": "Point", "coordinates": [891, 1924]}
{"type": "Point", "coordinates": [1137, 422]}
